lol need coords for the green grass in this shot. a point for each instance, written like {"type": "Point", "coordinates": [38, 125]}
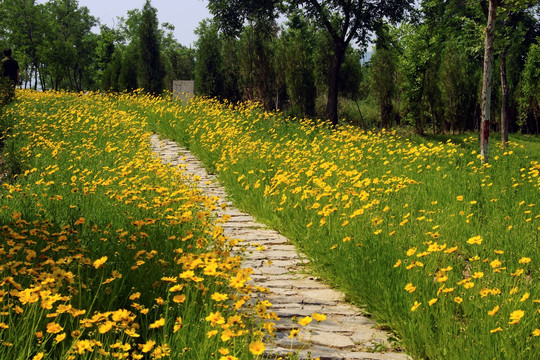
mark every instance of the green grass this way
{"type": "Point", "coordinates": [95, 233]}
{"type": "Point", "coordinates": [376, 211]}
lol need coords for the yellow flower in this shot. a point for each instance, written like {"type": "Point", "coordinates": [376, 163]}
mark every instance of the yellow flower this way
{"type": "Point", "coordinates": [177, 324]}
{"type": "Point", "coordinates": [305, 320]}
{"type": "Point", "coordinates": [147, 346]}
{"type": "Point", "coordinates": [318, 317]}
{"type": "Point", "coordinates": [458, 299]}
{"type": "Point", "coordinates": [524, 260]}
{"type": "Point", "coordinates": [219, 297]}
{"type": "Point", "coordinates": [475, 240]}
{"type": "Point", "coordinates": [256, 348]}
{"type": "Point", "coordinates": [410, 288]}
{"type": "Point", "coordinates": [135, 296]}
{"type": "Point", "coordinates": [516, 316]}
{"type": "Point", "coordinates": [293, 333]}
{"type": "Point", "coordinates": [38, 356]}
{"type": "Point", "coordinates": [131, 333]}
{"type": "Point", "coordinates": [416, 305]}
{"type": "Point", "coordinates": [496, 330]}
{"type": "Point", "coordinates": [105, 327]}
{"type": "Point", "coordinates": [176, 288]}
{"type": "Point", "coordinates": [54, 328]}
{"type": "Point", "coordinates": [524, 297]}
{"type": "Point", "coordinates": [536, 332]}
{"type": "Point", "coordinates": [398, 263]}
{"type": "Point", "coordinates": [100, 262]}
{"type": "Point", "coordinates": [493, 311]}
{"type": "Point", "coordinates": [179, 298]}
{"type": "Point", "coordinates": [228, 357]}
{"type": "Point", "coordinates": [159, 323]}
{"type": "Point", "coordinates": [459, 198]}
{"type": "Point", "coordinates": [433, 301]}
{"type": "Point", "coordinates": [411, 251]}
{"type": "Point", "coordinates": [58, 338]}
{"type": "Point", "coordinates": [215, 318]}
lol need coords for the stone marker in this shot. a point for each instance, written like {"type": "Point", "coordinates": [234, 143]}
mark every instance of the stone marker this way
{"type": "Point", "coordinates": [183, 90]}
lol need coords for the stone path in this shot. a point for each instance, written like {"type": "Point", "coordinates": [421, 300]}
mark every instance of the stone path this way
{"type": "Point", "coordinates": [277, 266]}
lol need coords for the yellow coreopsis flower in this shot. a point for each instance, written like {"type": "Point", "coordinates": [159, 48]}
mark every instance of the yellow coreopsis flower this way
{"type": "Point", "coordinates": [493, 311]}
{"type": "Point", "coordinates": [54, 328]}
{"type": "Point", "coordinates": [177, 324]}
{"type": "Point", "coordinates": [147, 347]}
{"type": "Point", "coordinates": [105, 327]}
{"type": "Point", "coordinates": [305, 320]}
{"type": "Point", "coordinates": [58, 338]}
{"type": "Point", "coordinates": [159, 323]}
{"type": "Point", "coordinates": [256, 347]}
{"type": "Point", "coordinates": [293, 333]}
{"type": "Point", "coordinates": [475, 240]}
{"type": "Point", "coordinates": [516, 316]}
{"type": "Point", "coordinates": [318, 317]}
{"type": "Point", "coordinates": [100, 262]}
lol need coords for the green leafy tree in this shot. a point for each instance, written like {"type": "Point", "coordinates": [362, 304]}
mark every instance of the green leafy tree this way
{"type": "Point", "coordinates": [383, 68]}
{"type": "Point", "coordinates": [209, 65]}
{"type": "Point", "coordinates": [151, 71]}
{"type": "Point", "coordinates": [297, 48]}
{"type": "Point", "coordinates": [23, 28]}
{"type": "Point", "coordinates": [345, 21]}
{"type": "Point", "coordinates": [529, 97]}
{"type": "Point", "coordinates": [257, 48]}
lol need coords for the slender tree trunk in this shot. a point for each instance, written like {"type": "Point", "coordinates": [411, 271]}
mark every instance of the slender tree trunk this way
{"type": "Point", "coordinates": [331, 112]}
{"type": "Point", "coordinates": [487, 81]}
{"type": "Point", "coordinates": [505, 89]}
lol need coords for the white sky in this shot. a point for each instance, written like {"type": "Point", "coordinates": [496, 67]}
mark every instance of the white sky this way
{"type": "Point", "coordinates": [185, 15]}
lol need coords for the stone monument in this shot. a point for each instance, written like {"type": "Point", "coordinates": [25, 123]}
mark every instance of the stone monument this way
{"type": "Point", "coordinates": [183, 90]}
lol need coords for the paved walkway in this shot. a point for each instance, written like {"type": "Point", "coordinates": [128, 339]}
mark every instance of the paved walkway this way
{"type": "Point", "coordinates": [345, 334]}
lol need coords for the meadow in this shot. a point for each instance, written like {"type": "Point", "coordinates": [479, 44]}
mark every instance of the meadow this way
{"type": "Point", "coordinates": [439, 246]}
{"type": "Point", "coordinates": [107, 252]}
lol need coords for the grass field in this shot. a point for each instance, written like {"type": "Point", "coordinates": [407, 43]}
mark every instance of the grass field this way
{"type": "Point", "coordinates": [439, 246]}
{"type": "Point", "coordinates": [106, 251]}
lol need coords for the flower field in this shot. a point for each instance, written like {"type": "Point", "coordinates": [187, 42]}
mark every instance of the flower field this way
{"type": "Point", "coordinates": [106, 253]}
{"type": "Point", "coordinates": [442, 248]}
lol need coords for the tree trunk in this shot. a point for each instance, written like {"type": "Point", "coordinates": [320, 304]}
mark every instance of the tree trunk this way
{"type": "Point", "coordinates": [504, 100]}
{"type": "Point", "coordinates": [331, 112]}
{"type": "Point", "coordinates": [487, 80]}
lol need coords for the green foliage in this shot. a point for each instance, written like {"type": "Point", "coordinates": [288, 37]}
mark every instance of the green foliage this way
{"type": "Point", "coordinates": [529, 98]}
{"type": "Point", "coordinates": [150, 67]}
{"type": "Point", "coordinates": [383, 74]}
{"type": "Point", "coordinates": [297, 43]}
{"type": "Point", "coordinates": [208, 69]}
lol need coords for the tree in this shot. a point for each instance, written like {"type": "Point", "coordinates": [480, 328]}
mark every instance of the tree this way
{"type": "Point", "coordinates": [529, 98]}
{"type": "Point", "coordinates": [487, 79]}
{"type": "Point", "coordinates": [345, 21]}
{"type": "Point", "coordinates": [383, 68]}
{"type": "Point", "coordinates": [297, 46]}
{"type": "Point", "coordinates": [208, 68]}
{"type": "Point", "coordinates": [151, 71]}
{"type": "Point", "coordinates": [491, 13]}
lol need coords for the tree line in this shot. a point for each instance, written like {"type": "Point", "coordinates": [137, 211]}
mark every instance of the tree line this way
{"type": "Point", "coordinates": [375, 63]}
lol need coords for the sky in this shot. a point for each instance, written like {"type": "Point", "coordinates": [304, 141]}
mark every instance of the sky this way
{"type": "Point", "coordinates": [185, 15]}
